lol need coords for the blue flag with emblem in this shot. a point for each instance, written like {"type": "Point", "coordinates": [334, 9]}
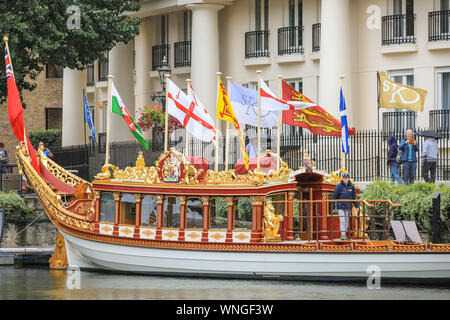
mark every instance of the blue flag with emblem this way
{"type": "Point", "coordinates": [88, 117]}
{"type": "Point", "coordinates": [344, 125]}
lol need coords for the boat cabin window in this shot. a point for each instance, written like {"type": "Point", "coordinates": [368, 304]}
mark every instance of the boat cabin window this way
{"type": "Point", "coordinates": [107, 208]}
{"type": "Point", "coordinates": [149, 211]}
{"type": "Point", "coordinates": [194, 213]}
{"type": "Point", "coordinates": [280, 207]}
{"type": "Point", "coordinates": [127, 209]}
{"type": "Point", "coordinates": [242, 209]}
{"type": "Point", "coordinates": [218, 213]}
{"type": "Point", "coordinates": [171, 212]}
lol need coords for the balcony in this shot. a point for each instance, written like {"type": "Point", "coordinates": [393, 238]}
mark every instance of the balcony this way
{"type": "Point", "coordinates": [397, 29]}
{"type": "Point", "coordinates": [257, 44]}
{"type": "Point", "coordinates": [182, 54]}
{"type": "Point", "coordinates": [399, 121]}
{"type": "Point", "coordinates": [290, 40]}
{"type": "Point", "coordinates": [440, 121]}
{"type": "Point", "coordinates": [159, 52]}
{"type": "Point", "coordinates": [439, 26]}
{"type": "Point", "coordinates": [316, 37]}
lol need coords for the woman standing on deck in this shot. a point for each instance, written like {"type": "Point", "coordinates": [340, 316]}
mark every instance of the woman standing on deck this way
{"type": "Point", "coordinates": [345, 190]}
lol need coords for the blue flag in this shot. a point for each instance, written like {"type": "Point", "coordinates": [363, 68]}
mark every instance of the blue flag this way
{"type": "Point", "coordinates": [88, 117]}
{"type": "Point", "coordinates": [344, 125]}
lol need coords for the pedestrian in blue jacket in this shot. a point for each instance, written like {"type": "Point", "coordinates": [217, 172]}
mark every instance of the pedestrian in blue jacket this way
{"type": "Point", "coordinates": [345, 190]}
{"type": "Point", "coordinates": [409, 148]}
{"type": "Point", "coordinates": [392, 159]}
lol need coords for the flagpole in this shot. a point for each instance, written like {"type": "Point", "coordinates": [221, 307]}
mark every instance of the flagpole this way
{"type": "Point", "coordinates": [216, 161]}
{"type": "Point", "coordinates": [108, 119]}
{"type": "Point", "coordinates": [227, 136]}
{"type": "Point", "coordinates": [258, 73]}
{"type": "Point", "coordinates": [166, 114]}
{"type": "Point", "coordinates": [280, 96]}
{"type": "Point", "coordinates": [342, 153]}
{"type": "Point", "coordinates": [188, 90]}
{"type": "Point", "coordinates": [84, 120]}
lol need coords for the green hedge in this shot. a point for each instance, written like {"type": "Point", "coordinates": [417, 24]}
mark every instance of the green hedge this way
{"type": "Point", "coordinates": [51, 138]}
{"type": "Point", "coordinates": [416, 201]}
{"type": "Point", "coordinates": [14, 206]}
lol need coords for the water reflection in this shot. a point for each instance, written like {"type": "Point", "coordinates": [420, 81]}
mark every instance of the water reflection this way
{"type": "Point", "coordinates": [34, 283]}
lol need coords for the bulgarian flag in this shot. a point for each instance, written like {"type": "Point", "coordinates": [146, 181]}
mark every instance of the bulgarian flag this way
{"type": "Point", "coordinates": [118, 107]}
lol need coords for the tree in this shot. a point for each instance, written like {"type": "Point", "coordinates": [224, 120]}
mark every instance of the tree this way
{"type": "Point", "coordinates": [68, 33]}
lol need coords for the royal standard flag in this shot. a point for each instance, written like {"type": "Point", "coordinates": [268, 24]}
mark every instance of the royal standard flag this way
{"type": "Point", "coordinates": [118, 107]}
{"type": "Point", "coordinates": [394, 95]}
{"type": "Point", "coordinates": [225, 112]}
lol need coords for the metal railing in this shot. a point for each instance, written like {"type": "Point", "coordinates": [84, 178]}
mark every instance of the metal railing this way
{"type": "Point", "coordinates": [182, 54]}
{"type": "Point", "coordinates": [399, 121]}
{"type": "Point", "coordinates": [290, 40]}
{"type": "Point", "coordinates": [315, 220]}
{"type": "Point", "coordinates": [397, 29]}
{"type": "Point", "coordinates": [160, 52]}
{"type": "Point", "coordinates": [316, 37]}
{"type": "Point", "coordinates": [440, 121]}
{"type": "Point", "coordinates": [257, 44]}
{"type": "Point", "coordinates": [439, 25]}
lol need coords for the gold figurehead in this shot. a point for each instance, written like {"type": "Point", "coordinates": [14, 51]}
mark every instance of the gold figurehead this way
{"type": "Point", "coordinates": [271, 223]}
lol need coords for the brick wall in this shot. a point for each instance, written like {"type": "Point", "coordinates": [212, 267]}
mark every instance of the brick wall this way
{"type": "Point", "coordinates": [48, 94]}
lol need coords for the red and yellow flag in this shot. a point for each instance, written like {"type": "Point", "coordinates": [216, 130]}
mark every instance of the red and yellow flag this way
{"type": "Point", "coordinates": [316, 119]}
{"type": "Point", "coordinates": [225, 112]}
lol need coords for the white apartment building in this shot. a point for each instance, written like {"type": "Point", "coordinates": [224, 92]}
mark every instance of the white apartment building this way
{"type": "Point", "coordinates": [311, 43]}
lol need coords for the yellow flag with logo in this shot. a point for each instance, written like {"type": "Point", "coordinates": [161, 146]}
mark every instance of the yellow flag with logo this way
{"type": "Point", "coordinates": [393, 95]}
{"type": "Point", "coordinates": [225, 112]}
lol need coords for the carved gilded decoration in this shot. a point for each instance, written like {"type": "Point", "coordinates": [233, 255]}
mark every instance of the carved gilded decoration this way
{"type": "Point", "coordinates": [59, 258]}
{"type": "Point", "coordinates": [271, 223]}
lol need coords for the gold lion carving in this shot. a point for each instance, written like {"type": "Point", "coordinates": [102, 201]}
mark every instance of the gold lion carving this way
{"type": "Point", "coordinates": [271, 223]}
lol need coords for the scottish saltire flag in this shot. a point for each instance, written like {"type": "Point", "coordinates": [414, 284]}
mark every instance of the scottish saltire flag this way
{"type": "Point", "coordinates": [344, 125]}
{"type": "Point", "coordinates": [88, 117]}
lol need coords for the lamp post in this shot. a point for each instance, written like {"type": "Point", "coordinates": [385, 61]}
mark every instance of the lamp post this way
{"type": "Point", "coordinates": [163, 69]}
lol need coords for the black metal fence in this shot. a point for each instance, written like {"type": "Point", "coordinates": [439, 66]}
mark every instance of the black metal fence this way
{"type": "Point", "coordinates": [159, 52]}
{"type": "Point", "coordinates": [397, 29]}
{"type": "Point", "coordinates": [182, 53]}
{"type": "Point", "coordinates": [257, 44]}
{"type": "Point", "coordinates": [439, 25]}
{"type": "Point", "coordinates": [440, 121]}
{"type": "Point", "coordinates": [290, 40]}
{"type": "Point", "coordinates": [399, 121]}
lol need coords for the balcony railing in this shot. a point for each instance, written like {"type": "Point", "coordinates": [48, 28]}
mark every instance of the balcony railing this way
{"type": "Point", "coordinates": [159, 52]}
{"type": "Point", "coordinates": [439, 25]}
{"type": "Point", "coordinates": [102, 71]}
{"type": "Point", "coordinates": [398, 121]}
{"type": "Point", "coordinates": [257, 44]}
{"type": "Point", "coordinates": [316, 37]}
{"type": "Point", "coordinates": [290, 40]}
{"type": "Point", "coordinates": [397, 29]}
{"type": "Point", "coordinates": [440, 120]}
{"type": "Point", "coordinates": [182, 54]}
{"type": "Point", "coordinates": [90, 75]}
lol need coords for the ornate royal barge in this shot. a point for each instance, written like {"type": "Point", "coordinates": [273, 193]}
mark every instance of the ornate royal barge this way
{"type": "Point", "coordinates": [179, 218]}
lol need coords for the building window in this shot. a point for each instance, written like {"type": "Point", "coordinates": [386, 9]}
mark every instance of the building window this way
{"type": "Point", "coordinates": [53, 71]}
{"type": "Point", "coordinates": [443, 88]}
{"type": "Point", "coordinates": [53, 118]}
{"type": "Point", "coordinates": [399, 26]}
{"type": "Point", "coordinates": [90, 81]}
{"type": "Point", "coordinates": [103, 69]}
{"type": "Point", "coordinates": [297, 84]}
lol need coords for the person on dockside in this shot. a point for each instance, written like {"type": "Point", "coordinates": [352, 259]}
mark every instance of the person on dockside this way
{"type": "Point", "coordinates": [345, 190]}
